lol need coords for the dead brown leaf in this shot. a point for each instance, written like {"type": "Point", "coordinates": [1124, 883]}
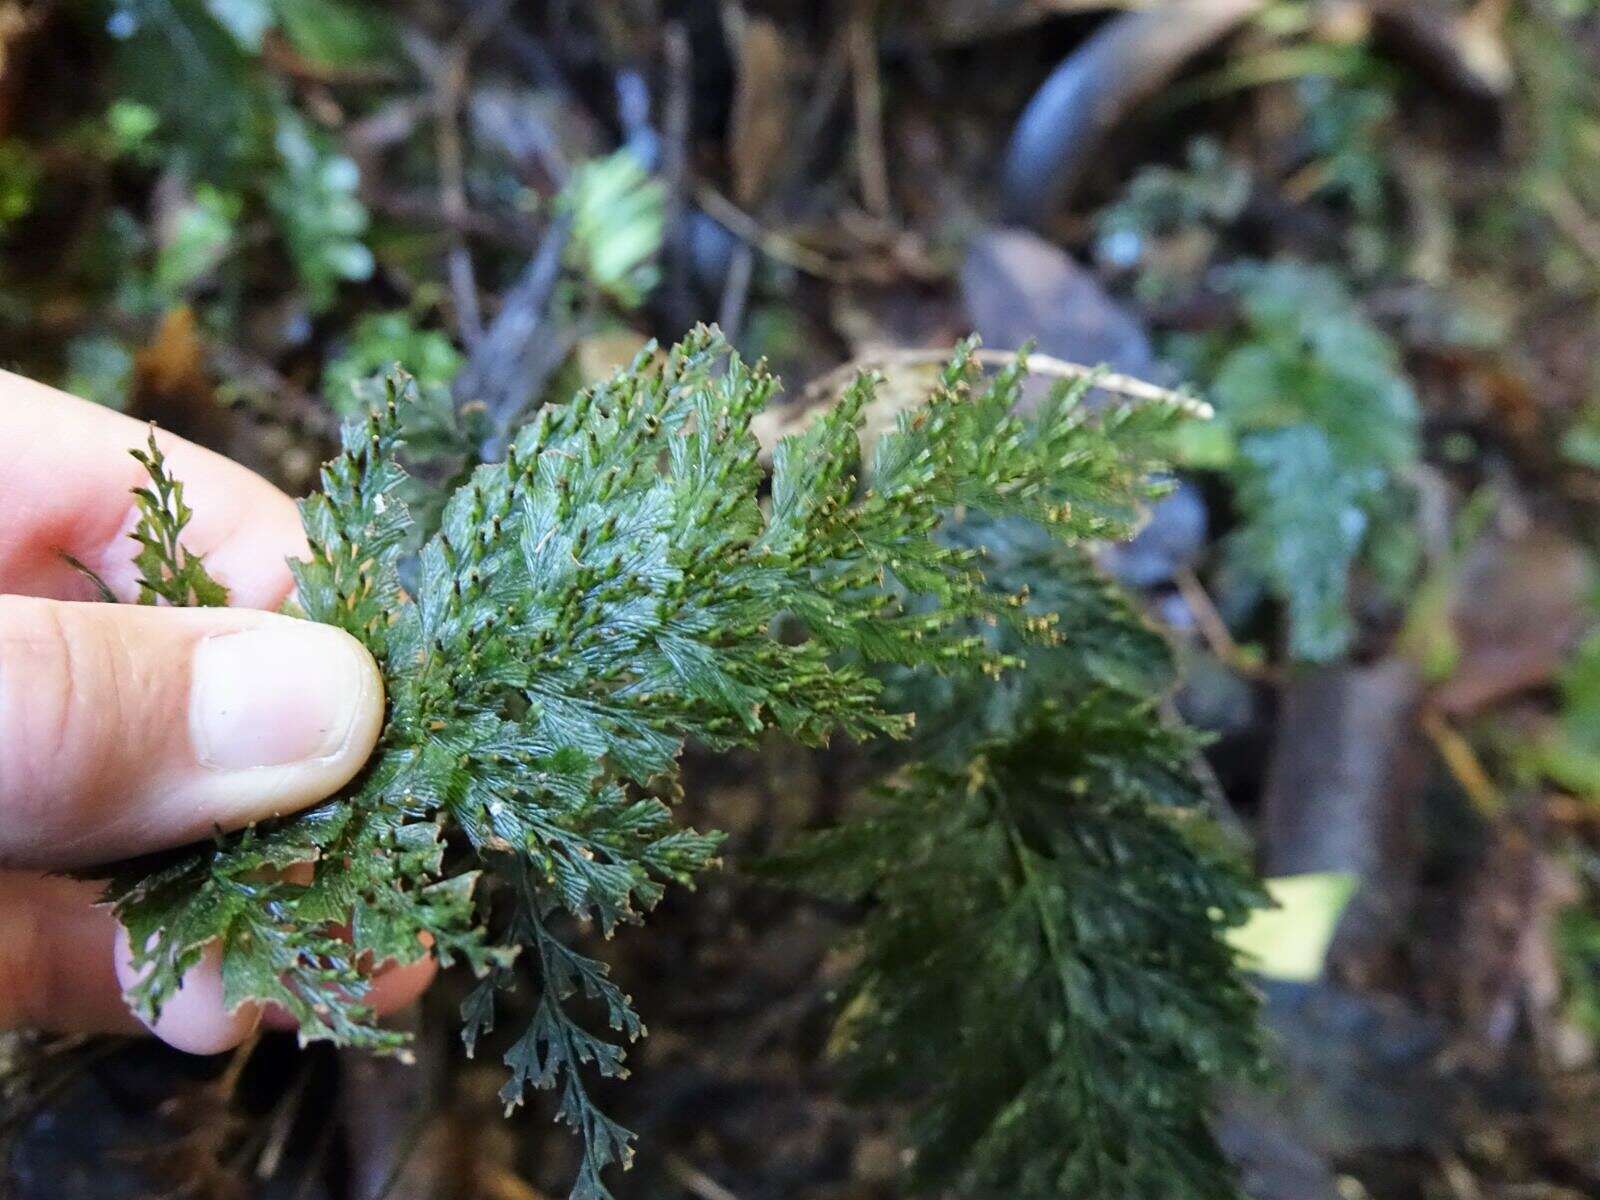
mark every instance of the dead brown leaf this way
{"type": "Point", "coordinates": [171, 385]}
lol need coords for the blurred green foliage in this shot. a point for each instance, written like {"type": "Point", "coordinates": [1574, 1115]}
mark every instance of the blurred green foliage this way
{"type": "Point", "coordinates": [99, 368]}
{"type": "Point", "coordinates": [1194, 202]}
{"type": "Point", "coordinates": [202, 234]}
{"type": "Point", "coordinates": [1570, 756]}
{"type": "Point", "coordinates": [202, 170]}
{"type": "Point", "coordinates": [313, 197]}
{"type": "Point", "coordinates": [618, 214]}
{"type": "Point", "coordinates": [1578, 943]}
{"type": "Point", "coordinates": [19, 178]}
{"type": "Point", "coordinates": [195, 97]}
{"type": "Point", "coordinates": [1347, 130]}
{"type": "Point", "coordinates": [1315, 428]}
{"type": "Point", "coordinates": [188, 172]}
{"type": "Point", "coordinates": [1560, 135]}
{"type": "Point", "coordinates": [377, 342]}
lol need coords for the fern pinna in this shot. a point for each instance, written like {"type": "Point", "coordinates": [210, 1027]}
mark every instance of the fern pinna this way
{"type": "Point", "coordinates": [632, 576]}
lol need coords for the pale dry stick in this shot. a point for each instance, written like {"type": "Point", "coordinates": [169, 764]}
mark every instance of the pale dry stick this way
{"type": "Point", "coordinates": [695, 1181]}
{"type": "Point", "coordinates": [453, 199]}
{"type": "Point", "coordinates": [1459, 1179]}
{"type": "Point", "coordinates": [451, 87]}
{"type": "Point", "coordinates": [1038, 364]}
{"type": "Point", "coordinates": [791, 251]}
{"type": "Point", "coordinates": [501, 1183]}
{"type": "Point", "coordinates": [829, 83]}
{"type": "Point", "coordinates": [280, 1125]}
{"type": "Point", "coordinates": [736, 290]}
{"type": "Point", "coordinates": [676, 118]}
{"type": "Point", "coordinates": [774, 424]}
{"type": "Point", "coordinates": [228, 1082]}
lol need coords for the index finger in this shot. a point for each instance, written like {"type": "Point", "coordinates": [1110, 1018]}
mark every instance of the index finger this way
{"type": "Point", "coordinates": [67, 488]}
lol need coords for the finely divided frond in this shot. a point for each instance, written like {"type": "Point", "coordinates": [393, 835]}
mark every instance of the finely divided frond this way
{"type": "Point", "coordinates": [167, 570]}
{"type": "Point", "coordinates": [1042, 978]}
{"type": "Point", "coordinates": [619, 584]}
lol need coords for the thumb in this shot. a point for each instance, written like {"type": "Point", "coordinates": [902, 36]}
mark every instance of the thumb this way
{"type": "Point", "coordinates": [126, 729]}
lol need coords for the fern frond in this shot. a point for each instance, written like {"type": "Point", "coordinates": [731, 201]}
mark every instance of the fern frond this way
{"type": "Point", "coordinates": [167, 570]}
{"type": "Point", "coordinates": [616, 586]}
{"type": "Point", "coordinates": [1326, 426]}
{"type": "Point", "coordinates": [1042, 978]}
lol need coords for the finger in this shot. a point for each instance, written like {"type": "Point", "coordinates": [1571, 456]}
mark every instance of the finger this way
{"type": "Point", "coordinates": [56, 967]}
{"type": "Point", "coordinates": [395, 986]}
{"type": "Point", "coordinates": [128, 729]}
{"type": "Point", "coordinates": [194, 1019]}
{"type": "Point", "coordinates": [64, 962]}
{"type": "Point", "coordinates": [71, 493]}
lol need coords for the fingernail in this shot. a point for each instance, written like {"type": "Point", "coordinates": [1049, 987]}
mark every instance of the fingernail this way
{"type": "Point", "coordinates": [276, 695]}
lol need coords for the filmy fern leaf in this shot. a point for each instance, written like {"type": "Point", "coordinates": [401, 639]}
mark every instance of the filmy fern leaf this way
{"type": "Point", "coordinates": [1041, 976]}
{"type": "Point", "coordinates": [167, 570]}
{"type": "Point", "coordinates": [620, 583]}
{"type": "Point", "coordinates": [1041, 979]}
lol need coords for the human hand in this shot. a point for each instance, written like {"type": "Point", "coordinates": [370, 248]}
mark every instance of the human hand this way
{"type": "Point", "coordinates": [126, 729]}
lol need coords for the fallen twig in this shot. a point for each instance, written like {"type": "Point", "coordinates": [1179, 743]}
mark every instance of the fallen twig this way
{"type": "Point", "coordinates": [1038, 364]}
{"type": "Point", "coordinates": [453, 199]}
{"type": "Point", "coordinates": [1571, 218]}
{"type": "Point", "coordinates": [736, 290]}
{"type": "Point", "coordinates": [1462, 762]}
{"type": "Point", "coordinates": [774, 424]}
{"type": "Point", "coordinates": [261, 387]}
{"type": "Point", "coordinates": [450, 86]}
{"type": "Point", "coordinates": [775, 245]}
{"type": "Point", "coordinates": [695, 1181]}
{"type": "Point", "coordinates": [676, 115]}
{"type": "Point", "coordinates": [1218, 638]}
{"type": "Point", "coordinates": [422, 208]}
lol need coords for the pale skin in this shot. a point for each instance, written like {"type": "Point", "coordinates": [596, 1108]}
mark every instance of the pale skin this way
{"type": "Point", "coordinates": [126, 729]}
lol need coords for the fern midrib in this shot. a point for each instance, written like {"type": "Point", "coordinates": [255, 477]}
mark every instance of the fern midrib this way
{"type": "Point", "coordinates": [1055, 946]}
